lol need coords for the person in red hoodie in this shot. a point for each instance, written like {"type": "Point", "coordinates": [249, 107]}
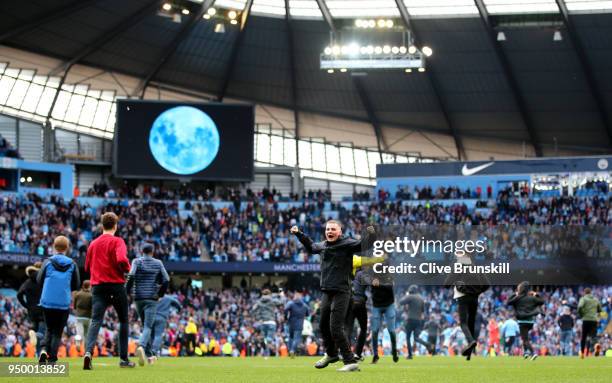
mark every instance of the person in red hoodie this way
{"type": "Point", "coordinates": [107, 263]}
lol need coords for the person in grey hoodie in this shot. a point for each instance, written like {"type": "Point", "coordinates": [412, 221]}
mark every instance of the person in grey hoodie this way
{"type": "Point", "coordinates": [264, 312]}
{"type": "Point", "coordinates": [295, 312]}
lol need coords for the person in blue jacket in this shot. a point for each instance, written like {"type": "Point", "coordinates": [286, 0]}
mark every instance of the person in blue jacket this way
{"type": "Point", "coordinates": [295, 312]}
{"type": "Point", "coordinates": [59, 276]}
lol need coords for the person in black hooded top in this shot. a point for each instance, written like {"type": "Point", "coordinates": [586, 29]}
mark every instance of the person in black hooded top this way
{"type": "Point", "coordinates": [336, 269]}
{"type": "Point", "coordinates": [526, 304]}
{"type": "Point", "coordinates": [29, 297]}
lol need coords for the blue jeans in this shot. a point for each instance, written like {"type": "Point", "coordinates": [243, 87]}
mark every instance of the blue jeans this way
{"type": "Point", "coordinates": [377, 318]}
{"type": "Point", "coordinates": [295, 338]}
{"type": "Point", "coordinates": [146, 311]}
{"type": "Point", "coordinates": [267, 330]}
{"type": "Point", "coordinates": [158, 333]}
{"type": "Point", "coordinates": [566, 342]}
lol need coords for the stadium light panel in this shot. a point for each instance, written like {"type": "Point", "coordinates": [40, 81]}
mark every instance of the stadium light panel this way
{"type": "Point", "coordinates": [219, 28]}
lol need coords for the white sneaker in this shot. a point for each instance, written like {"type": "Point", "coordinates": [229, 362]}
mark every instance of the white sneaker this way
{"type": "Point", "coordinates": [349, 368]}
{"type": "Point", "coordinates": [140, 353]}
{"type": "Point", "coordinates": [151, 359]}
{"type": "Point", "coordinates": [33, 338]}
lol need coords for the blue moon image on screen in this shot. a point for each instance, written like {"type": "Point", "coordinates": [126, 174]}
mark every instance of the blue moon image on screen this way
{"type": "Point", "coordinates": [184, 140]}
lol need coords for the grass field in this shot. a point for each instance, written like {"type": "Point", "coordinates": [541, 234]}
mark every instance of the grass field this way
{"type": "Point", "coordinates": [301, 370]}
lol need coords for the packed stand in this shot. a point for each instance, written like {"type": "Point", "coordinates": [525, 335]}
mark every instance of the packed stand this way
{"type": "Point", "coordinates": [128, 190]}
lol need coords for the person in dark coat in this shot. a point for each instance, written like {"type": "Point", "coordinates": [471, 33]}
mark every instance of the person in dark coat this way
{"type": "Point", "coordinates": [526, 305]}
{"type": "Point", "coordinates": [336, 267]}
{"type": "Point", "coordinates": [29, 297]}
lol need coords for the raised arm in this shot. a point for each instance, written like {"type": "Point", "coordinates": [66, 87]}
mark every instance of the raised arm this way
{"type": "Point", "coordinates": [369, 261]}
{"type": "Point", "coordinates": [366, 242]}
{"type": "Point", "coordinates": [310, 246]}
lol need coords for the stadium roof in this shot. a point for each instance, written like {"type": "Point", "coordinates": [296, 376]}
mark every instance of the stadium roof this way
{"type": "Point", "coordinates": [532, 87]}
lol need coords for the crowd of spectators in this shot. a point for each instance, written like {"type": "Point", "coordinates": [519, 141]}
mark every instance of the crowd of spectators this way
{"type": "Point", "coordinates": [226, 316]}
{"type": "Point", "coordinates": [451, 192]}
{"type": "Point", "coordinates": [200, 193]}
{"type": "Point", "coordinates": [259, 230]}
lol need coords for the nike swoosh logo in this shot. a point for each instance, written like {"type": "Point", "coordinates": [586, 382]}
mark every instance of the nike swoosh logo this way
{"type": "Point", "coordinates": [468, 172]}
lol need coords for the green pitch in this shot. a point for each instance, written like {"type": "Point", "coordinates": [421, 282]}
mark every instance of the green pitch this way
{"type": "Point", "coordinates": [301, 370]}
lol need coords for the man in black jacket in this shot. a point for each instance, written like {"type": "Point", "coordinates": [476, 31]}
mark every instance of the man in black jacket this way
{"type": "Point", "coordinates": [358, 310]}
{"type": "Point", "coordinates": [466, 290]}
{"type": "Point", "coordinates": [29, 297]}
{"type": "Point", "coordinates": [526, 304]}
{"type": "Point", "coordinates": [383, 306]}
{"type": "Point", "coordinates": [336, 268]}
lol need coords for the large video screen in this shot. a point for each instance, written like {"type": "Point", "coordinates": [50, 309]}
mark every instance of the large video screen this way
{"type": "Point", "coordinates": [200, 141]}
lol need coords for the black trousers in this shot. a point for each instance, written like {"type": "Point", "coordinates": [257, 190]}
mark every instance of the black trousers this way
{"type": "Point", "coordinates": [589, 333]}
{"type": "Point", "coordinates": [334, 307]}
{"type": "Point", "coordinates": [413, 329]}
{"type": "Point", "coordinates": [190, 340]}
{"type": "Point", "coordinates": [508, 344]}
{"type": "Point", "coordinates": [55, 320]}
{"type": "Point", "coordinates": [104, 295]}
{"type": "Point", "coordinates": [524, 329]}
{"type": "Point", "coordinates": [359, 311]}
{"type": "Point", "coordinates": [467, 306]}
{"type": "Point", "coordinates": [433, 341]}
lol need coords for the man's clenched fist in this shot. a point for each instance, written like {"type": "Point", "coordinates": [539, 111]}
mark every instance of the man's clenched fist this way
{"type": "Point", "coordinates": [294, 230]}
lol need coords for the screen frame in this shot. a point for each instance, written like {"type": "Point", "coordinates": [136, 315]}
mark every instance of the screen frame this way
{"type": "Point", "coordinates": [178, 177]}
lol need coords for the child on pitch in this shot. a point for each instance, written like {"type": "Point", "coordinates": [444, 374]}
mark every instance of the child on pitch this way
{"type": "Point", "coordinates": [59, 276]}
